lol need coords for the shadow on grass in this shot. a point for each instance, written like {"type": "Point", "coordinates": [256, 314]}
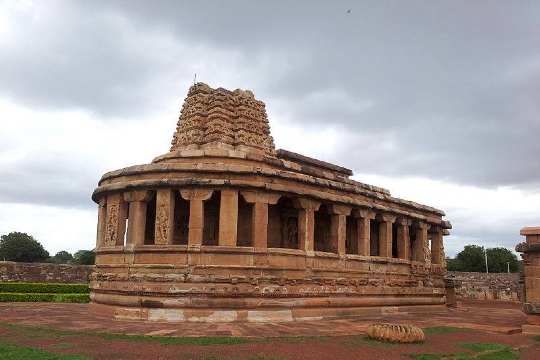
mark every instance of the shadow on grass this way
{"type": "Point", "coordinates": [16, 352]}
{"type": "Point", "coordinates": [39, 332]}
{"type": "Point", "coordinates": [444, 330]}
{"type": "Point", "coordinates": [478, 351]}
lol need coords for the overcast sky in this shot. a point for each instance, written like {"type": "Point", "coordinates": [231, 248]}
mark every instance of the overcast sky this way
{"type": "Point", "coordinates": [438, 101]}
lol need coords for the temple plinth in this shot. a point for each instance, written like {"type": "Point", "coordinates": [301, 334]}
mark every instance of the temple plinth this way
{"type": "Point", "coordinates": [224, 227]}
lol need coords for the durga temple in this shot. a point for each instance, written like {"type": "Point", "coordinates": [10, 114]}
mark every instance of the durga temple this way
{"type": "Point", "coordinates": [225, 228]}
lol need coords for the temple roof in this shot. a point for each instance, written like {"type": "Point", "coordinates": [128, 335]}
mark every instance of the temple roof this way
{"type": "Point", "coordinates": [224, 119]}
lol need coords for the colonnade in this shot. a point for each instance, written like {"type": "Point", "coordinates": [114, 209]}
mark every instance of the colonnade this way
{"type": "Point", "coordinates": [148, 217]}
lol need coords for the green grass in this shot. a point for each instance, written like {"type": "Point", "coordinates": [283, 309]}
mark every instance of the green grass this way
{"type": "Point", "coordinates": [536, 338]}
{"type": "Point", "coordinates": [362, 340]}
{"type": "Point", "coordinates": [15, 352]}
{"type": "Point", "coordinates": [44, 297]}
{"type": "Point", "coordinates": [254, 357]}
{"type": "Point", "coordinates": [170, 340]}
{"type": "Point", "coordinates": [43, 288]}
{"type": "Point", "coordinates": [47, 332]}
{"type": "Point", "coordinates": [443, 330]}
{"type": "Point", "coordinates": [480, 351]}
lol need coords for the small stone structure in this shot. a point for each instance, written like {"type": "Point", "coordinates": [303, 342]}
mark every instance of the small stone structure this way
{"type": "Point", "coordinates": [482, 286]}
{"type": "Point", "coordinates": [395, 333]}
{"type": "Point", "coordinates": [530, 250]}
{"type": "Point", "coordinates": [44, 272]}
{"type": "Point", "coordinates": [224, 227]}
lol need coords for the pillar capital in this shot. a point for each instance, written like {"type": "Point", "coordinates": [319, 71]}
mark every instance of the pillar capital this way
{"type": "Point", "coordinates": [435, 229]}
{"type": "Point", "coordinates": [389, 218]}
{"type": "Point", "coordinates": [404, 221]}
{"type": "Point", "coordinates": [363, 213]}
{"type": "Point", "coordinates": [260, 197]}
{"type": "Point", "coordinates": [339, 209]}
{"type": "Point", "coordinates": [306, 204]}
{"type": "Point", "coordinates": [137, 195]}
{"type": "Point", "coordinates": [423, 225]}
{"type": "Point", "coordinates": [196, 194]}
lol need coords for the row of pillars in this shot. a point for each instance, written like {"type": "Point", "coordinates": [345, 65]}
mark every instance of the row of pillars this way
{"type": "Point", "coordinates": [113, 213]}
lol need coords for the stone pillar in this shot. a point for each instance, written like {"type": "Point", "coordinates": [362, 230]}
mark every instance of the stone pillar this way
{"type": "Point", "coordinates": [530, 250]}
{"type": "Point", "coordinates": [363, 231]}
{"type": "Point", "coordinates": [164, 232]}
{"type": "Point", "coordinates": [102, 220]}
{"type": "Point", "coordinates": [403, 239]}
{"type": "Point", "coordinates": [137, 216]}
{"type": "Point", "coordinates": [115, 226]}
{"type": "Point", "coordinates": [338, 227]}
{"type": "Point", "coordinates": [259, 215]}
{"type": "Point", "coordinates": [306, 223]}
{"type": "Point", "coordinates": [228, 217]}
{"type": "Point", "coordinates": [385, 234]}
{"type": "Point", "coordinates": [196, 198]}
{"type": "Point", "coordinates": [420, 243]}
{"type": "Point", "coordinates": [437, 256]}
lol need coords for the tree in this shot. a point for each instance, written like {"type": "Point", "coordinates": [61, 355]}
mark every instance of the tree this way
{"type": "Point", "coordinates": [499, 258]}
{"type": "Point", "coordinates": [471, 258]}
{"type": "Point", "coordinates": [21, 247]}
{"type": "Point", "coordinates": [84, 257]}
{"type": "Point", "coordinates": [62, 257]}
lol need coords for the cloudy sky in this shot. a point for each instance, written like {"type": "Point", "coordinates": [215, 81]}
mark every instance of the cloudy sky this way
{"type": "Point", "coordinates": [438, 101]}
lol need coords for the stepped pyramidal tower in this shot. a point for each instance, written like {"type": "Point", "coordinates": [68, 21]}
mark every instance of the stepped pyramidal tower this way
{"type": "Point", "coordinates": [224, 119]}
{"type": "Point", "coordinates": [224, 228]}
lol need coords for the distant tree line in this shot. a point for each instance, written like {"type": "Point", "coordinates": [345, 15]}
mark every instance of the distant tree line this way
{"type": "Point", "coordinates": [472, 258]}
{"type": "Point", "coordinates": [21, 247]}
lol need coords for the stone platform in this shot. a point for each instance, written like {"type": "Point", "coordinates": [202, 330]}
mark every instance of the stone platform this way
{"type": "Point", "coordinates": [498, 317]}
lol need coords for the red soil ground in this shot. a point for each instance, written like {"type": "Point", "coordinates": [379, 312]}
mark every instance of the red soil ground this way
{"type": "Point", "coordinates": [69, 329]}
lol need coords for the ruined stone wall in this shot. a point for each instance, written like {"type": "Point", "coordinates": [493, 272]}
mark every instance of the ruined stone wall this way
{"type": "Point", "coordinates": [482, 286]}
{"type": "Point", "coordinates": [44, 272]}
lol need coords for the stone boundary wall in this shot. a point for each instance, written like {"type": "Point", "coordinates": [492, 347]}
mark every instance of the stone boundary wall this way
{"type": "Point", "coordinates": [44, 272]}
{"type": "Point", "coordinates": [482, 286]}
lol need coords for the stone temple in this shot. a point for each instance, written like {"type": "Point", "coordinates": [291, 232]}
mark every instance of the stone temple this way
{"type": "Point", "coordinates": [224, 227]}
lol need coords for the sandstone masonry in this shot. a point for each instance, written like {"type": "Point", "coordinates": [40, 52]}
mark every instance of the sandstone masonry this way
{"type": "Point", "coordinates": [44, 272]}
{"type": "Point", "coordinates": [224, 227]}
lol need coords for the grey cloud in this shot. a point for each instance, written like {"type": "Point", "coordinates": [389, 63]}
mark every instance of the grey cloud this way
{"type": "Point", "coordinates": [451, 85]}
{"type": "Point", "coordinates": [49, 179]}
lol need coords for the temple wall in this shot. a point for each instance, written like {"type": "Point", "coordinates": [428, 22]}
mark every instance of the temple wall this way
{"type": "Point", "coordinates": [482, 286]}
{"type": "Point", "coordinates": [44, 272]}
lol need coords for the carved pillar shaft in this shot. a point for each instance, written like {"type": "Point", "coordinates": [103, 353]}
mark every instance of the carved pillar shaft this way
{"type": "Point", "coordinates": [102, 221]}
{"type": "Point", "coordinates": [403, 239]}
{"type": "Point", "coordinates": [115, 226]}
{"type": "Point", "coordinates": [259, 225]}
{"type": "Point", "coordinates": [164, 232]}
{"type": "Point", "coordinates": [385, 235]}
{"type": "Point", "coordinates": [306, 223]}
{"type": "Point", "coordinates": [436, 246]}
{"type": "Point", "coordinates": [363, 230]}
{"type": "Point", "coordinates": [338, 227]}
{"type": "Point", "coordinates": [259, 215]}
{"type": "Point", "coordinates": [420, 242]}
{"type": "Point", "coordinates": [137, 216]}
{"type": "Point", "coordinates": [228, 217]}
{"type": "Point", "coordinates": [338, 233]}
{"type": "Point", "coordinates": [196, 214]}
{"type": "Point", "coordinates": [136, 223]}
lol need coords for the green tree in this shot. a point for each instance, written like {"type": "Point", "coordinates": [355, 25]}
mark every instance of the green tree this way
{"type": "Point", "coordinates": [84, 257]}
{"type": "Point", "coordinates": [17, 246]}
{"type": "Point", "coordinates": [62, 257]}
{"type": "Point", "coordinates": [499, 258]}
{"type": "Point", "coordinates": [471, 258]}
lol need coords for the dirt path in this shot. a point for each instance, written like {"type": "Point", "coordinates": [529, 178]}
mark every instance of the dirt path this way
{"type": "Point", "coordinates": [109, 346]}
